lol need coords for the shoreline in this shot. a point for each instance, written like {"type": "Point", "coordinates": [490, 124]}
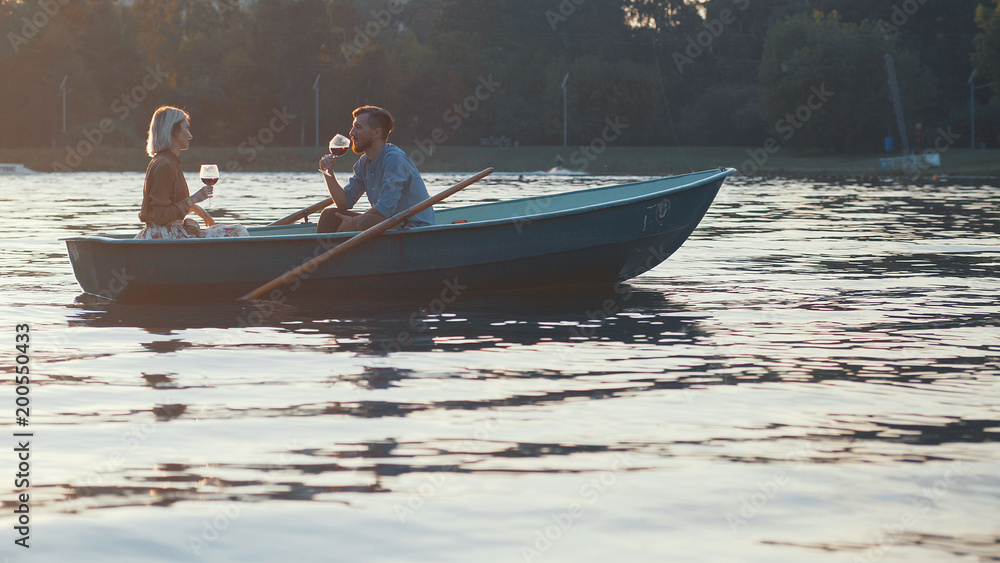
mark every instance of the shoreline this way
{"type": "Point", "coordinates": [639, 161]}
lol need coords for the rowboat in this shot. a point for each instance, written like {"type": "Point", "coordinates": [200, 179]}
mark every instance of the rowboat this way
{"type": "Point", "coordinates": [597, 236]}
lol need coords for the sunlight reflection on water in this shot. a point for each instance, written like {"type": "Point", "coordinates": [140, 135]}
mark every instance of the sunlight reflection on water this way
{"type": "Point", "coordinates": [813, 376]}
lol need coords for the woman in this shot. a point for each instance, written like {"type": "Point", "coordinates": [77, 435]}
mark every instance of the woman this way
{"type": "Point", "coordinates": [166, 200]}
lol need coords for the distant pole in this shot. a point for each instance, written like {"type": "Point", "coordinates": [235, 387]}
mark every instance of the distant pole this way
{"type": "Point", "coordinates": [890, 69]}
{"type": "Point", "coordinates": [565, 112]}
{"type": "Point", "coordinates": [63, 88]}
{"type": "Point", "coordinates": [972, 106]}
{"type": "Point", "coordinates": [316, 88]}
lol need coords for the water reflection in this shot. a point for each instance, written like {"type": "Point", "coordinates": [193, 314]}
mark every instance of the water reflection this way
{"type": "Point", "coordinates": [626, 315]}
{"type": "Point", "coordinates": [842, 333]}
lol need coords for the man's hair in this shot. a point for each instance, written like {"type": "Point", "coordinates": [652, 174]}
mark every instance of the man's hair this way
{"type": "Point", "coordinates": [378, 117]}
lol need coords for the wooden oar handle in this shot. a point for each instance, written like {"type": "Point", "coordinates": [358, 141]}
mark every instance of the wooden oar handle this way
{"type": "Point", "coordinates": [303, 213]}
{"type": "Point", "coordinates": [364, 236]}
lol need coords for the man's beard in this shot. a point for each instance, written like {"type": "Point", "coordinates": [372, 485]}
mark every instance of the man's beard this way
{"type": "Point", "coordinates": [357, 148]}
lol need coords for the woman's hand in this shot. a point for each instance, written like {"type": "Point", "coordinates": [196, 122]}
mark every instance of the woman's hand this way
{"type": "Point", "coordinates": [192, 228]}
{"type": "Point", "coordinates": [203, 194]}
{"type": "Point", "coordinates": [209, 221]}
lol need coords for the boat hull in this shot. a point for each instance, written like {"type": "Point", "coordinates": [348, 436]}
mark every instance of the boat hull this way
{"type": "Point", "coordinates": [591, 237]}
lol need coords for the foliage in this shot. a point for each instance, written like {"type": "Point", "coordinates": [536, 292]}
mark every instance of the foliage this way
{"type": "Point", "coordinates": [234, 63]}
{"type": "Point", "coordinates": [825, 83]}
{"type": "Point", "coordinates": [987, 54]}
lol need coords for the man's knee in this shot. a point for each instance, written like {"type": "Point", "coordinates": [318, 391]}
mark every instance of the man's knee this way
{"type": "Point", "coordinates": [328, 222]}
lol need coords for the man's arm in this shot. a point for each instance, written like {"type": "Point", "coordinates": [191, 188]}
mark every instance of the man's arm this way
{"type": "Point", "coordinates": [362, 222]}
{"type": "Point", "coordinates": [336, 190]}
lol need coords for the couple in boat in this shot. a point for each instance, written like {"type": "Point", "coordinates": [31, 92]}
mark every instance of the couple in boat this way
{"type": "Point", "coordinates": [384, 172]}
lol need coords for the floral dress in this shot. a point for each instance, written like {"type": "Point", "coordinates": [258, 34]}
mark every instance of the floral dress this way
{"type": "Point", "coordinates": [175, 230]}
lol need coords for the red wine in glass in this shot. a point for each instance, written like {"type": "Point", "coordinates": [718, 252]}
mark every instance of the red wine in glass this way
{"type": "Point", "coordinates": [209, 176]}
{"type": "Point", "coordinates": [339, 145]}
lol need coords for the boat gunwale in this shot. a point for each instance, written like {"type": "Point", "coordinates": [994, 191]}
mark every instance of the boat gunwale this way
{"type": "Point", "coordinates": [722, 172]}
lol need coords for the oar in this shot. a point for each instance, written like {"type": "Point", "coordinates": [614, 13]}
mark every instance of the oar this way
{"type": "Point", "coordinates": [364, 236]}
{"type": "Point", "coordinates": [303, 212]}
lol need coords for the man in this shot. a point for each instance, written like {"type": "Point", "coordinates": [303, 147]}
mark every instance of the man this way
{"type": "Point", "coordinates": [384, 173]}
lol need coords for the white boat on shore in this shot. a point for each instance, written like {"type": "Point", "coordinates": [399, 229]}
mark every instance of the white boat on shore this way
{"type": "Point", "coordinates": [6, 169]}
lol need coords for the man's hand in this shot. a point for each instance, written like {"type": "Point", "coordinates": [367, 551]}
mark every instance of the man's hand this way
{"type": "Point", "coordinates": [348, 223]}
{"type": "Point", "coordinates": [326, 165]}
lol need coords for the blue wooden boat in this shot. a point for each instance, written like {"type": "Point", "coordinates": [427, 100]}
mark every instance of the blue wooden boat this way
{"type": "Point", "coordinates": [596, 236]}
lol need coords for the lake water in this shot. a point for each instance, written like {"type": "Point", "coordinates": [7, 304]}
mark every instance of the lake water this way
{"type": "Point", "coordinates": [814, 376]}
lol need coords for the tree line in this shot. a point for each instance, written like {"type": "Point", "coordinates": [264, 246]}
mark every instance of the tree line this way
{"type": "Point", "coordinates": [804, 73]}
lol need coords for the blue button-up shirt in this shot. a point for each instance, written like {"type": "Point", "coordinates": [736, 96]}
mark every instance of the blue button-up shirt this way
{"type": "Point", "coordinates": [392, 183]}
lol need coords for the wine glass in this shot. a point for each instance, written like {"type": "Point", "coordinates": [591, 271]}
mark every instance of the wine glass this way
{"type": "Point", "coordinates": [339, 145]}
{"type": "Point", "coordinates": [209, 176]}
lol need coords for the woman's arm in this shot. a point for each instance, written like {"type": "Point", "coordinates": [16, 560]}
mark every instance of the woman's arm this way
{"type": "Point", "coordinates": [160, 200]}
{"type": "Point", "coordinates": [209, 221]}
{"type": "Point", "coordinates": [159, 193]}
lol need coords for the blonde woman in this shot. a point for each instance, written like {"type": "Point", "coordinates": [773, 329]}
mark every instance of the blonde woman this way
{"type": "Point", "coordinates": [166, 200]}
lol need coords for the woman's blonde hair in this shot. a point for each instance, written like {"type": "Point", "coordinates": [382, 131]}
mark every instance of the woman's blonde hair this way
{"type": "Point", "coordinates": [166, 120]}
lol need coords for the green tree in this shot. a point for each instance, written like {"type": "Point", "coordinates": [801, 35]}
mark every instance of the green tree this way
{"type": "Point", "coordinates": [90, 43]}
{"type": "Point", "coordinates": [662, 15]}
{"type": "Point", "coordinates": [987, 54]}
{"type": "Point", "coordinates": [825, 83]}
